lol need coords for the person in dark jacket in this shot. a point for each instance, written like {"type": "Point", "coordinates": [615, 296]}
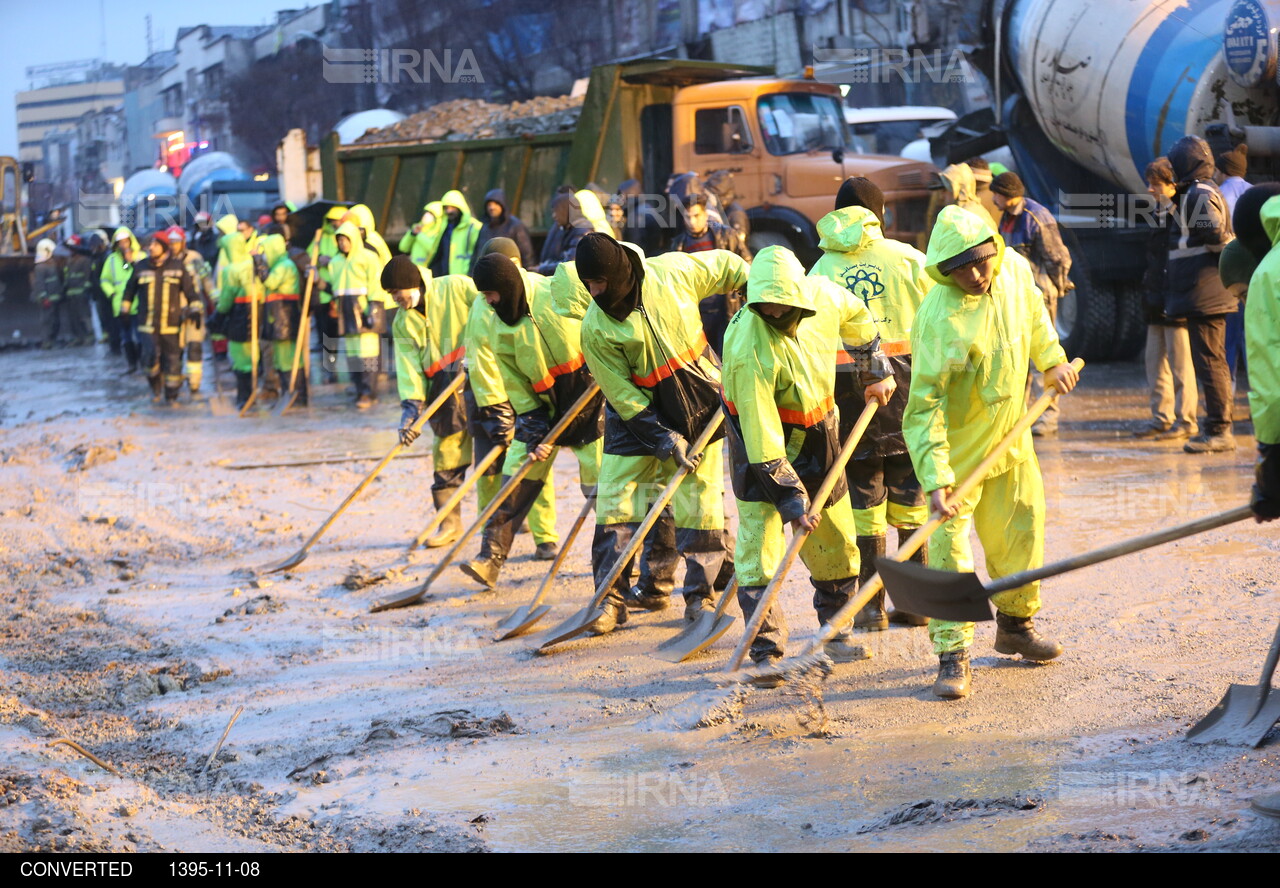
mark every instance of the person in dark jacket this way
{"type": "Point", "coordinates": [165, 297]}
{"type": "Point", "coordinates": [47, 292]}
{"type": "Point", "coordinates": [499, 223]}
{"type": "Point", "coordinates": [699, 233]}
{"type": "Point", "coordinates": [97, 247]}
{"type": "Point", "coordinates": [1169, 371]}
{"type": "Point", "coordinates": [205, 240]}
{"type": "Point", "coordinates": [1199, 230]}
{"type": "Point", "coordinates": [720, 185]}
{"type": "Point", "coordinates": [569, 228]}
{"type": "Point", "coordinates": [76, 274]}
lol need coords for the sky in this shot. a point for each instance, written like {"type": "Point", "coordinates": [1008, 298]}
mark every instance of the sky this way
{"type": "Point", "coordinates": [37, 33]}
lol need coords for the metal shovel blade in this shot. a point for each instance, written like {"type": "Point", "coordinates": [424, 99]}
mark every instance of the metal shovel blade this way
{"type": "Point", "coordinates": [1238, 720]}
{"type": "Point", "coordinates": [573, 627]}
{"type": "Point", "coordinates": [521, 621]}
{"type": "Point", "coordinates": [941, 594]}
{"type": "Point", "coordinates": [292, 561]}
{"type": "Point", "coordinates": [694, 638]}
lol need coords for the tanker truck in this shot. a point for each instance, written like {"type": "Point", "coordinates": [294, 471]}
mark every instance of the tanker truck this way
{"type": "Point", "coordinates": [1087, 93]}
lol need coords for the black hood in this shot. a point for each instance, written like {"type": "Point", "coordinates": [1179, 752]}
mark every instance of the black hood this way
{"type": "Point", "coordinates": [600, 257]}
{"type": "Point", "coordinates": [498, 196]}
{"type": "Point", "coordinates": [1191, 159]}
{"type": "Point", "coordinates": [1246, 221]}
{"type": "Point", "coordinates": [495, 272]}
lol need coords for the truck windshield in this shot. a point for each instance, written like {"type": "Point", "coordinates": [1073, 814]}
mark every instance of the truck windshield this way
{"type": "Point", "coordinates": [797, 123]}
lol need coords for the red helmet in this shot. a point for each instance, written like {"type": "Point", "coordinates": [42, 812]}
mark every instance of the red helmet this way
{"type": "Point", "coordinates": [175, 233]}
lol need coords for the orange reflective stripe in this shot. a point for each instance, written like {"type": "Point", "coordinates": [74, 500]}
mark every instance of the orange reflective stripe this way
{"type": "Point", "coordinates": [896, 347]}
{"type": "Point", "coordinates": [243, 300]}
{"type": "Point", "coordinates": [451, 358]}
{"type": "Point", "coordinates": [804, 420]}
{"type": "Point", "coordinates": [545, 384]}
{"type": "Point", "coordinates": [843, 357]}
{"type": "Point", "coordinates": [683, 359]}
{"type": "Point", "coordinates": [276, 297]}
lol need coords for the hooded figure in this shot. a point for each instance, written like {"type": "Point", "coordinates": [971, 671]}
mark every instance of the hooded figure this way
{"type": "Point", "coordinates": [421, 240]}
{"type": "Point", "coordinates": [116, 272]}
{"type": "Point", "coordinates": [568, 228]}
{"type": "Point", "coordinates": [970, 353]}
{"type": "Point", "coordinates": [490, 417]}
{"type": "Point", "coordinates": [643, 340]}
{"type": "Point", "coordinates": [504, 225]}
{"type": "Point", "coordinates": [429, 352]}
{"type": "Point", "coordinates": [237, 288]}
{"type": "Point", "coordinates": [1200, 229]}
{"type": "Point", "coordinates": [544, 374]}
{"type": "Point", "coordinates": [593, 210]}
{"type": "Point", "coordinates": [351, 278]}
{"type": "Point", "coordinates": [165, 297]}
{"type": "Point", "coordinates": [458, 237]}
{"type": "Point", "coordinates": [193, 332]}
{"type": "Point", "coordinates": [889, 278]}
{"type": "Point", "coordinates": [779, 395]}
{"type": "Point", "coordinates": [1262, 337]}
{"type": "Point", "coordinates": [283, 286]}
{"type": "Point", "coordinates": [328, 230]}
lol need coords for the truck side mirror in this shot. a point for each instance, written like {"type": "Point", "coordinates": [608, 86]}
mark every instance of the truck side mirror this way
{"type": "Point", "coordinates": [838, 155]}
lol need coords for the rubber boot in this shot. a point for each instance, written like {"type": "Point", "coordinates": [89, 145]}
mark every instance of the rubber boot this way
{"type": "Point", "coordinates": [872, 617]}
{"type": "Point", "coordinates": [921, 557]}
{"type": "Point", "coordinates": [195, 374]}
{"type": "Point", "coordinates": [954, 675]}
{"type": "Point", "coordinates": [1017, 635]}
{"type": "Point", "coordinates": [614, 615]}
{"type": "Point", "coordinates": [131, 356]}
{"type": "Point", "coordinates": [171, 395]}
{"type": "Point", "coordinates": [157, 387]}
{"type": "Point", "coordinates": [244, 387]}
{"type": "Point", "coordinates": [483, 570]}
{"type": "Point", "coordinates": [451, 526]}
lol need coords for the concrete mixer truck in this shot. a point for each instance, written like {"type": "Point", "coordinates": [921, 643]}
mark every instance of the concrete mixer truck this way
{"type": "Point", "coordinates": [1088, 92]}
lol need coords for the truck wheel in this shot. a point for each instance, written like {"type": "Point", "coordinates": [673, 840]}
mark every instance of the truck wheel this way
{"type": "Point", "coordinates": [1131, 322]}
{"type": "Point", "coordinates": [758, 240]}
{"type": "Point", "coordinates": [1087, 320]}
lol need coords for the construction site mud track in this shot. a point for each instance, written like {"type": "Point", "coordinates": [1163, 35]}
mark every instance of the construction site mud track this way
{"type": "Point", "coordinates": [128, 626]}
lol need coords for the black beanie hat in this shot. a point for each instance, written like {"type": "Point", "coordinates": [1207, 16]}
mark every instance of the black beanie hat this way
{"type": "Point", "coordinates": [401, 274]}
{"type": "Point", "coordinates": [496, 273]}
{"type": "Point", "coordinates": [1234, 162]}
{"type": "Point", "coordinates": [860, 191]}
{"type": "Point", "coordinates": [503, 246]}
{"type": "Point", "coordinates": [1247, 223]}
{"type": "Point", "coordinates": [600, 257]}
{"type": "Point", "coordinates": [984, 250]}
{"type": "Point", "coordinates": [1008, 185]}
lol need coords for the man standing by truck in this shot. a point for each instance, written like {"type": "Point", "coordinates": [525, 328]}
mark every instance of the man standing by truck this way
{"type": "Point", "coordinates": [889, 278]}
{"type": "Point", "coordinates": [644, 343]}
{"type": "Point", "coordinates": [700, 232]}
{"type": "Point", "coordinates": [971, 342]}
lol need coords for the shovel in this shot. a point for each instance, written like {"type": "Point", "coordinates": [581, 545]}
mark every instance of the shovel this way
{"type": "Point", "coordinates": [219, 405]}
{"type": "Point", "coordinates": [948, 595]}
{"type": "Point", "coordinates": [303, 339]}
{"type": "Point", "coordinates": [301, 555]}
{"type": "Point", "coordinates": [819, 502]}
{"type": "Point", "coordinates": [477, 472]}
{"type": "Point", "coordinates": [1246, 712]}
{"type": "Point", "coordinates": [415, 595]}
{"type": "Point", "coordinates": [701, 633]}
{"type": "Point", "coordinates": [810, 656]}
{"type": "Point", "coordinates": [522, 620]}
{"type": "Point", "coordinates": [582, 620]}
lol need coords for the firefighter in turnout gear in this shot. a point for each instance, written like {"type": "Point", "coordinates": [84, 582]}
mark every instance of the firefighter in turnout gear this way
{"type": "Point", "coordinates": [165, 297]}
{"type": "Point", "coordinates": [644, 344]}
{"type": "Point", "coordinates": [780, 368]}
{"type": "Point", "coordinates": [429, 346]}
{"type": "Point", "coordinates": [889, 277]}
{"type": "Point", "coordinates": [544, 373]}
{"type": "Point", "coordinates": [193, 329]}
{"type": "Point", "coordinates": [975, 334]}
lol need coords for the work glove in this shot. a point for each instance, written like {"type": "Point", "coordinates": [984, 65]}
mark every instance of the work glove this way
{"type": "Point", "coordinates": [323, 261]}
{"type": "Point", "coordinates": [260, 266]}
{"type": "Point", "coordinates": [1265, 498]}
{"type": "Point", "coordinates": [409, 413]}
{"type": "Point", "coordinates": [677, 448]}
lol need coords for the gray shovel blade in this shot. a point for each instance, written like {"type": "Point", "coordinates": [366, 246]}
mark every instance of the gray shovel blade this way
{"type": "Point", "coordinates": [573, 627]}
{"type": "Point", "coordinates": [697, 636]}
{"type": "Point", "coordinates": [521, 621]}
{"type": "Point", "coordinates": [940, 594]}
{"type": "Point", "coordinates": [1237, 720]}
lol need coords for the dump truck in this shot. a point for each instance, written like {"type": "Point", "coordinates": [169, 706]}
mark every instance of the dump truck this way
{"type": "Point", "coordinates": [784, 140]}
{"type": "Point", "coordinates": [1088, 92]}
{"type": "Point", "coordinates": [18, 237]}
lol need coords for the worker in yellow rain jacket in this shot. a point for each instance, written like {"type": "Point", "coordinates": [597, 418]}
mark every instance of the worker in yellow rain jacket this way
{"type": "Point", "coordinates": [116, 271]}
{"type": "Point", "coordinates": [889, 277]}
{"type": "Point", "coordinates": [237, 288]}
{"type": "Point", "coordinates": [429, 353]}
{"type": "Point", "coordinates": [458, 237]}
{"type": "Point", "coordinates": [282, 310]}
{"type": "Point", "coordinates": [490, 417]}
{"type": "Point", "coordinates": [421, 240]}
{"type": "Point", "coordinates": [973, 339]}
{"type": "Point", "coordinates": [545, 374]}
{"type": "Point", "coordinates": [351, 280]}
{"type": "Point", "coordinates": [644, 344]}
{"type": "Point", "coordinates": [1262, 345]}
{"type": "Point", "coordinates": [779, 393]}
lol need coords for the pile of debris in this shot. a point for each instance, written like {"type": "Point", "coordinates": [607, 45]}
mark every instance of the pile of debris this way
{"type": "Point", "coordinates": [463, 119]}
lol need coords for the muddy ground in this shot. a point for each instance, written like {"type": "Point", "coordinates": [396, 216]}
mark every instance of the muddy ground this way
{"type": "Point", "coordinates": [127, 626]}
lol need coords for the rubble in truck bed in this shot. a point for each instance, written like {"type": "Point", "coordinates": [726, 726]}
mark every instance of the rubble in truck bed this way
{"type": "Point", "coordinates": [463, 119]}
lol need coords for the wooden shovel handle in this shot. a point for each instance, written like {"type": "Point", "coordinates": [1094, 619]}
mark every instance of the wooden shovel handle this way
{"type": "Point", "coordinates": [798, 540]}
{"type": "Point", "coordinates": [545, 587]}
{"type": "Point", "coordinates": [477, 472]}
{"type": "Point", "coordinates": [913, 543]}
{"type": "Point", "coordinates": [655, 511]}
{"type": "Point", "coordinates": [301, 340]}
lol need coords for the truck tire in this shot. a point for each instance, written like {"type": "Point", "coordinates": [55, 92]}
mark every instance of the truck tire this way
{"type": "Point", "coordinates": [758, 240]}
{"type": "Point", "coordinates": [1087, 320]}
{"type": "Point", "coordinates": [1131, 322]}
